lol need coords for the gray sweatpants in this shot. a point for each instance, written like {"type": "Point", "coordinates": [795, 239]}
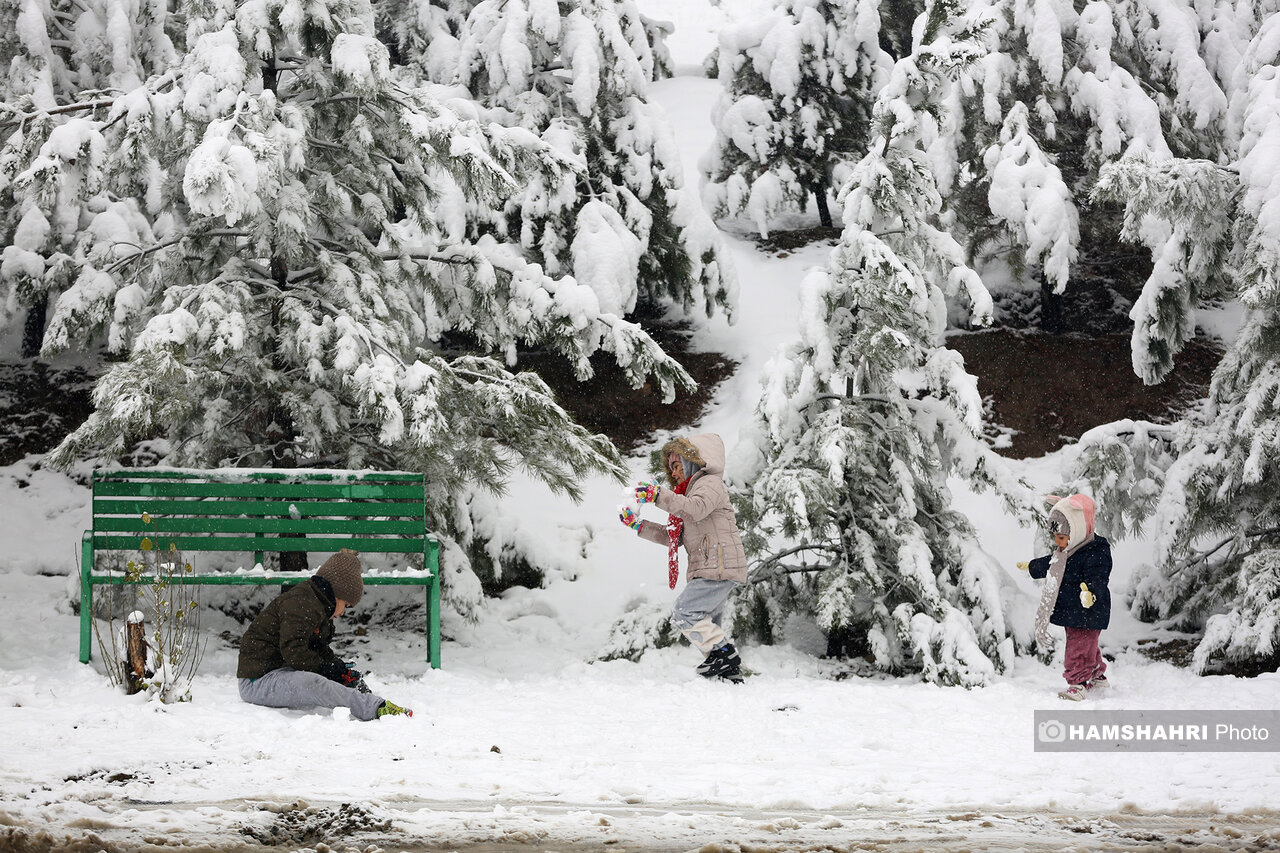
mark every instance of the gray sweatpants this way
{"type": "Point", "coordinates": [699, 610]}
{"type": "Point", "coordinates": [287, 687]}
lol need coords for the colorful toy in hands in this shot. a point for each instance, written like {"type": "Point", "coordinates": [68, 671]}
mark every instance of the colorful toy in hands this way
{"type": "Point", "coordinates": [646, 492]}
{"type": "Point", "coordinates": [629, 517]}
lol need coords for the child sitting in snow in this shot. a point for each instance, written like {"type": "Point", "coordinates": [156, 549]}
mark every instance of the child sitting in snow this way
{"type": "Point", "coordinates": [702, 518]}
{"type": "Point", "coordinates": [1075, 592]}
{"type": "Point", "coordinates": [285, 659]}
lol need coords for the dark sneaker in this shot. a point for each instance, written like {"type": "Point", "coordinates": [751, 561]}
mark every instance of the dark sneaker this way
{"type": "Point", "coordinates": [720, 662]}
{"type": "Point", "coordinates": [391, 709]}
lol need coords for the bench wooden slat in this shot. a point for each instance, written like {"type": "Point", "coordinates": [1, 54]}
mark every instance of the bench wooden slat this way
{"type": "Point", "coordinates": [244, 475]}
{"type": "Point", "coordinates": [164, 525]}
{"type": "Point", "coordinates": [251, 580]}
{"type": "Point", "coordinates": [222, 506]}
{"type": "Point", "coordinates": [311, 544]}
{"type": "Point", "coordinates": [281, 491]}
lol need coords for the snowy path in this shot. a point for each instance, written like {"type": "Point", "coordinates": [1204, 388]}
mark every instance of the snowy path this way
{"type": "Point", "coordinates": [468, 827]}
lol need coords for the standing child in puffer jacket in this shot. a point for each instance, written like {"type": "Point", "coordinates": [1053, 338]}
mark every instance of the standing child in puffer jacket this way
{"type": "Point", "coordinates": [1075, 592]}
{"type": "Point", "coordinates": [702, 519]}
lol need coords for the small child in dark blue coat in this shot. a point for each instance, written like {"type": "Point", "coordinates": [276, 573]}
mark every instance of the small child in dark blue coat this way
{"type": "Point", "coordinates": [1075, 592]}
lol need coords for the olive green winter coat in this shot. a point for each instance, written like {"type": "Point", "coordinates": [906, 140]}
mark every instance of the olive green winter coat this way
{"type": "Point", "coordinates": [293, 630]}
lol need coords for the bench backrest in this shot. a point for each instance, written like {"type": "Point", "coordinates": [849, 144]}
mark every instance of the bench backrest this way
{"type": "Point", "coordinates": [242, 510]}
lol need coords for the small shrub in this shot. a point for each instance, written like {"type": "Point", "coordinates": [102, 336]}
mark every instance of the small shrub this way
{"type": "Point", "coordinates": [174, 645]}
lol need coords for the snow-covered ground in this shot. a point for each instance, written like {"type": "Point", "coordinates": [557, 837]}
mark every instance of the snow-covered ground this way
{"type": "Point", "coordinates": [521, 742]}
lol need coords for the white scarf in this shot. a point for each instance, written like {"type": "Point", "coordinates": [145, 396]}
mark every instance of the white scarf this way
{"type": "Point", "coordinates": [1049, 597]}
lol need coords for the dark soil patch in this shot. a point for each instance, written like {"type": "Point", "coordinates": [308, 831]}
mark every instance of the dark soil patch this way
{"type": "Point", "coordinates": [39, 405]}
{"type": "Point", "coordinates": [1251, 668]}
{"type": "Point", "coordinates": [1178, 652]}
{"type": "Point", "coordinates": [1181, 651]}
{"type": "Point", "coordinates": [1048, 390]}
{"type": "Point", "coordinates": [608, 404]}
{"type": "Point", "coordinates": [782, 243]}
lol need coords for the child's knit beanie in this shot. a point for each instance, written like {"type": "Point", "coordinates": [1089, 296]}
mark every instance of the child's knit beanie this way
{"type": "Point", "coordinates": [1058, 523]}
{"type": "Point", "coordinates": [342, 571]}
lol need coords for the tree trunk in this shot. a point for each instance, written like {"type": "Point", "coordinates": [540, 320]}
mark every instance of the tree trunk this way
{"type": "Point", "coordinates": [845, 643]}
{"type": "Point", "coordinates": [824, 211]}
{"type": "Point", "coordinates": [33, 329]}
{"type": "Point", "coordinates": [280, 428]}
{"type": "Point", "coordinates": [1051, 315]}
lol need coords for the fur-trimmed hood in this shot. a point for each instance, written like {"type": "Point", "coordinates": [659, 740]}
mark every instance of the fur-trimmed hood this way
{"type": "Point", "coordinates": [705, 451]}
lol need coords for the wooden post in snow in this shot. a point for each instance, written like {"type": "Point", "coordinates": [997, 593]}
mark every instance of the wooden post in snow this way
{"type": "Point", "coordinates": [136, 658]}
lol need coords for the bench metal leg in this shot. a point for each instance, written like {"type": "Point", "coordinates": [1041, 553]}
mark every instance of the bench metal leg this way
{"type": "Point", "coordinates": [433, 621]}
{"type": "Point", "coordinates": [86, 596]}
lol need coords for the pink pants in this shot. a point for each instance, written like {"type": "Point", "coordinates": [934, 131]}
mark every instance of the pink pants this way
{"type": "Point", "coordinates": [1083, 659]}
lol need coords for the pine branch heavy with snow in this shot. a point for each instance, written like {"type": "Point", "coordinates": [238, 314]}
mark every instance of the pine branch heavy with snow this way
{"type": "Point", "coordinates": [79, 189]}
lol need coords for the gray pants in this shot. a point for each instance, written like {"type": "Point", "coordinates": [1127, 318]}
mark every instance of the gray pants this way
{"type": "Point", "coordinates": [287, 687]}
{"type": "Point", "coordinates": [699, 610]}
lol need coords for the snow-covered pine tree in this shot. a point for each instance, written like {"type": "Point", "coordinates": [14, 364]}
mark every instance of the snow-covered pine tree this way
{"type": "Point", "coordinates": [73, 188]}
{"type": "Point", "coordinates": [1064, 89]}
{"type": "Point", "coordinates": [861, 424]}
{"type": "Point", "coordinates": [1217, 522]}
{"type": "Point", "coordinates": [305, 295]}
{"type": "Point", "coordinates": [799, 84]}
{"type": "Point", "coordinates": [575, 72]}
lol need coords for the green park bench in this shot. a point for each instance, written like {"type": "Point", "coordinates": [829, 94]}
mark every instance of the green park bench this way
{"type": "Point", "coordinates": [256, 512]}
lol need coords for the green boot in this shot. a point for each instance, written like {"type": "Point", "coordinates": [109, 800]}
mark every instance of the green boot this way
{"type": "Point", "coordinates": [391, 709]}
